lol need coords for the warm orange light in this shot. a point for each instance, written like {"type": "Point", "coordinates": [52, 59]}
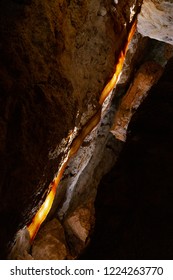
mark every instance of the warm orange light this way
{"type": "Point", "coordinates": [111, 84]}
{"type": "Point", "coordinates": [109, 87]}
{"type": "Point", "coordinates": [84, 132]}
{"type": "Point", "coordinates": [46, 206]}
{"type": "Point", "coordinates": [42, 213]}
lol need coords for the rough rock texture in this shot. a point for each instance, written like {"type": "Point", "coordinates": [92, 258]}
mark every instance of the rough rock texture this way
{"type": "Point", "coordinates": [80, 178]}
{"type": "Point", "coordinates": [156, 20]}
{"type": "Point", "coordinates": [78, 226]}
{"type": "Point", "coordinates": [99, 151]}
{"type": "Point", "coordinates": [135, 199]}
{"type": "Point", "coordinates": [55, 58]}
{"type": "Point", "coordinates": [21, 247]}
{"type": "Point", "coordinates": [151, 65]}
{"type": "Point", "coordinates": [50, 243]}
{"type": "Point", "coordinates": [147, 75]}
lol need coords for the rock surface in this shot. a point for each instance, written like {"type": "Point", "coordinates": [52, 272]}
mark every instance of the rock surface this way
{"type": "Point", "coordinates": [21, 247]}
{"type": "Point", "coordinates": [134, 201]}
{"type": "Point", "coordinates": [78, 226]}
{"type": "Point", "coordinates": [55, 58]}
{"type": "Point", "coordinates": [156, 20]}
{"type": "Point", "coordinates": [147, 75]}
{"type": "Point", "coordinates": [50, 243]}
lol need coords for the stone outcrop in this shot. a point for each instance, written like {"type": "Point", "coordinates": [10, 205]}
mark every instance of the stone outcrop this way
{"type": "Point", "coordinates": [21, 246]}
{"type": "Point", "coordinates": [78, 226]}
{"type": "Point", "coordinates": [147, 75]}
{"type": "Point", "coordinates": [50, 243]}
{"type": "Point", "coordinates": [156, 20]}
{"type": "Point", "coordinates": [55, 59]}
{"type": "Point", "coordinates": [133, 208]}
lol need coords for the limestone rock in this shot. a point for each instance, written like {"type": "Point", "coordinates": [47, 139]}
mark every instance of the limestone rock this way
{"type": "Point", "coordinates": [148, 75]}
{"type": "Point", "coordinates": [134, 201]}
{"type": "Point", "coordinates": [55, 58]}
{"type": "Point", "coordinates": [78, 226]}
{"type": "Point", "coordinates": [21, 247]}
{"type": "Point", "coordinates": [156, 20]}
{"type": "Point", "coordinates": [50, 243]}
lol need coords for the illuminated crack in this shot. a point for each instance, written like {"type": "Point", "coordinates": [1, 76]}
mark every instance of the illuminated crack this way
{"type": "Point", "coordinates": [76, 143]}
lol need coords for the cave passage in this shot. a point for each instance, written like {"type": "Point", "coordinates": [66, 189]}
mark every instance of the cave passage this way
{"type": "Point", "coordinates": [43, 211]}
{"type": "Point", "coordinates": [134, 204]}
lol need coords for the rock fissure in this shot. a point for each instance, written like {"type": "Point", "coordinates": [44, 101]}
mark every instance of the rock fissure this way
{"type": "Point", "coordinates": [56, 57]}
{"type": "Point", "coordinates": [46, 206]}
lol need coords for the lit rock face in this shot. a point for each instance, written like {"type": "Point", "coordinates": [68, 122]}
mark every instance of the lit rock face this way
{"type": "Point", "coordinates": [60, 56]}
{"type": "Point", "coordinates": [147, 75]}
{"type": "Point", "coordinates": [156, 20]}
{"type": "Point", "coordinates": [100, 151]}
{"type": "Point", "coordinates": [55, 58]}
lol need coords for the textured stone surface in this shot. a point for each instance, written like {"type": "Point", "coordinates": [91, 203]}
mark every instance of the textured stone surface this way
{"type": "Point", "coordinates": [99, 150]}
{"type": "Point", "coordinates": [78, 226]}
{"type": "Point", "coordinates": [50, 243]}
{"type": "Point", "coordinates": [156, 20]}
{"type": "Point", "coordinates": [55, 58]}
{"type": "Point", "coordinates": [134, 201]}
{"type": "Point", "coordinates": [106, 150]}
{"type": "Point", "coordinates": [155, 56]}
{"type": "Point", "coordinates": [21, 247]}
{"type": "Point", "coordinates": [147, 75]}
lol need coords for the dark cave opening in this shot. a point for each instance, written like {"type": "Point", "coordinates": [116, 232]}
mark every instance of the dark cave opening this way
{"type": "Point", "coordinates": [134, 201]}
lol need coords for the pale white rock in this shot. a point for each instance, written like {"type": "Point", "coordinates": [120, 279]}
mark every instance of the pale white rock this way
{"type": "Point", "coordinates": [103, 11]}
{"type": "Point", "coordinates": [156, 20]}
{"type": "Point", "coordinates": [21, 246]}
{"type": "Point", "coordinates": [132, 11]}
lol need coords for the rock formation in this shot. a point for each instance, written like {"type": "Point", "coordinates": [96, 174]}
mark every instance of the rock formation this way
{"type": "Point", "coordinates": [55, 59]}
{"type": "Point", "coordinates": [156, 20]}
{"type": "Point", "coordinates": [134, 200]}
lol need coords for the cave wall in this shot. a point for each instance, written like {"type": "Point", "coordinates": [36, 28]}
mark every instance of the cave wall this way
{"type": "Point", "coordinates": [55, 58]}
{"type": "Point", "coordinates": [134, 201]}
{"type": "Point", "coordinates": [156, 20]}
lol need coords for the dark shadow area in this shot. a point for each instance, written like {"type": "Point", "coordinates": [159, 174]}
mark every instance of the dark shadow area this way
{"type": "Point", "coordinates": [134, 205]}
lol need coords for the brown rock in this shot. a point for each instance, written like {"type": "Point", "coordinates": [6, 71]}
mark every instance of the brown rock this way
{"type": "Point", "coordinates": [21, 247]}
{"type": "Point", "coordinates": [78, 226]}
{"type": "Point", "coordinates": [146, 77]}
{"type": "Point", "coordinates": [50, 243]}
{"type": "Point", "coordinates": [55, 58]}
